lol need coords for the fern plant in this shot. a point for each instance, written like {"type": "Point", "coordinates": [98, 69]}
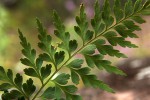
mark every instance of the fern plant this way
{"type": "Point", "coordinates": [112, 26]}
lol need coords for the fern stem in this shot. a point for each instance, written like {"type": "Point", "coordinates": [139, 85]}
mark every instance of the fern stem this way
{"type": "Point", "coordinates": [84, 45]}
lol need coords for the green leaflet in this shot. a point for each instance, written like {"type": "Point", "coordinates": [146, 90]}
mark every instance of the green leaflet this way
{"type": "Point", "coordinates": [114, 40]}
{"type": "Point", "coordinates": [131, 25]}
{"type": "Point", "coordinates": [39, 63]}
{"type": "Point", "coordinates": [96, 21]}
{"type": "Point", "coordinates": [18, 80]}
{"type": "Point", "coordinates": [82, 28]}
{"type": "Point", "coordinates": [55, 92]}
{"type": "Point", "coordinates": [10, 74]}
{"type": "Point", "coordinates": [27, 50]}
{"type": "Point", "coordinates": [59, 57]}
{"type": "Point", "coordinates": [138, 19]}
{"type": "Point", "coordinates": [45, 40]}
{"type": "Point", "coordinates": [2, 74]}
{"type": "Point", "coordinates": [128, 9]}
{"type": "Point", "coordinates": [77, 63]}
{"type": "Point", "coordinates": [91, 81]}
{"type": "Point", "coordinates": [75, 77]}
{"type": "Point", "coordinates": [107, 49]}
{"type": "Point", "coordinates": [5, 86]}
{"type": "Point", "coordinates": [69, 89]}
{"type": "Point", "coordinates": [73, 65]}
{"type": "Point", "coordinates": [91, 59]}
{"type": "Point", "coordinates": [62, 79]}
{"type": "Point", "coordinates": [73, 45]}
{"type": "Point", "coordinates": [73, 97]}
{"type": "Point", "coordinates": [45, 57]}
{"type": "Point", "coordinates": [14, 94]}
{"type": "Point", "coordinates": [89, 49]}
{"type": "Point", "coordinates": [30, 72]}
{"type": "Point", "coordinates": [124, 32]}
{"type": "Point", "coordinates": [118, 12]}
{"type": "Point", "coordinates": [26, 62]}
{"type": "Point", "coordinates": [29, 87]}
{"type": "Point", "coordinates": [49, 93]}
{"type": "Point", "coordinates": [30, 54]}
{"type": "Point", "coordinates": [97, 60]}
{"type": "Point", "coordinates": [61, 33]}
{"type": "Point", "coordinates": [60, 84]}
{"type": "Point", "coordinates": [46, 71]}
{"type": "Point", "coordinates": [137, 5]}
{"type": "Point", "coordinates": [106, 14]}
{"type": "Point", "coordinates": [58, 92]}
{"type": "Point", "coordinates": [88, 35]}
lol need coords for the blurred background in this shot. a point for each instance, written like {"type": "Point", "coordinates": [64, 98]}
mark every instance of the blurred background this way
{"type": "Point", "coordinates": [21, 14]}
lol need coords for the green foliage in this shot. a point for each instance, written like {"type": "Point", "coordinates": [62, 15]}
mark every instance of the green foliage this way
{"type": "Point", "coordinates": [109, 28]}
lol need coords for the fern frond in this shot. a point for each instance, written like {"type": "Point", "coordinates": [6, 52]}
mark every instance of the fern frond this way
{"type": "Point", "coordinates": [110, 28]}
